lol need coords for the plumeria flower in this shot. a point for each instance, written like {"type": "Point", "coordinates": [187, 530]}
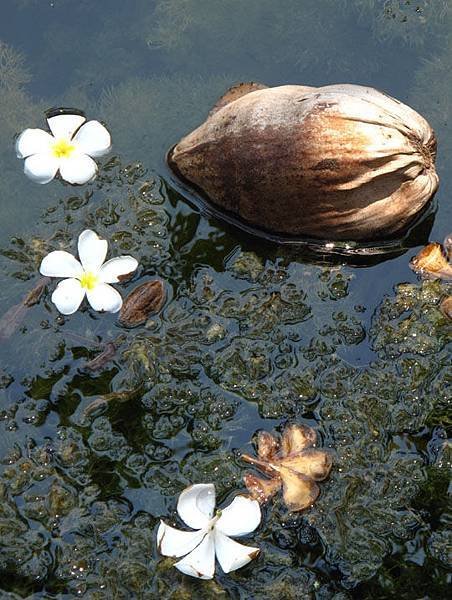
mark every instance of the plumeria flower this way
{"type": "Point", "coordinates": [67, 150]}
{"type": "Point", "coordinates": [196, 507]}
{"type": "Point", "coordinates": [90, 276]}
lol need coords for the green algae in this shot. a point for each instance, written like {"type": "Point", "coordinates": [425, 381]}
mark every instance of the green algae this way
{"type": "Point", "coordinates": [256, 337]}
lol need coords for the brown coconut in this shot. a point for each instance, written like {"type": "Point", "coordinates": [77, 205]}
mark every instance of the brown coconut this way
{"type": "Point", "coordinates": [336, 162]}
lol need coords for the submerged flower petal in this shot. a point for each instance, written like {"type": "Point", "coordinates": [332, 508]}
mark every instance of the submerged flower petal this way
{"type": "Point", "coordinates": [230, 554]}
{"type": "Point", "coordinates": [33, 141]}
{"type": "Point", "coordinates": [93, 138]}
{"type": "Point", "coordinates": [60, 264]}
{"type": "Point", "coordinates": [313, 463]}
{"type": "Point", "coordinates": [104, 298]}
{"type": "Point", "coordinates": [65, 125]}
{"type": "Point", "coordinates": [201, 561]}
{"type": "Point", "coordinates": [196, 505]}
{"type": "Point", "coordinates": [173, 542]}
{"type": "Point", "coordinates": [242, 516]}
{"type": "Point", "coordinates": [41, 168]}
{"type": "Point", "coordinates": [299, 491]}
{"type": "Point", "coordinates": [68, 296]}
{"type": "Point", "coordinates": [92, 250]}
{"type": "Point", "coordinates": [116, 268]}
{"type": "Point", "coordinates": [297, 438]}
{"type": "Point", "coordinates": [78, 169]}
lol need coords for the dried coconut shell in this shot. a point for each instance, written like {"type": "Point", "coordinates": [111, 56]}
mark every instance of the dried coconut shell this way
{"type": "Point", "coordinates": [335, 162]}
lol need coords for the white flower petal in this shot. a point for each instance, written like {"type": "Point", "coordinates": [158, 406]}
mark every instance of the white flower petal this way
{"type": "Point", "coordinates": [33, 141]}
{"type": "Point", "coordinates": [41, 168]}
{"type": "Point", "coordinates": [68, 296]}
{"type": "Point", "coordinates": [78, 169]}
{"type": "Point", "coordinates": [173, 542]}
{"type": "Point", "coordinates": [92, 250]}
{"type": "Point", "coordinates": [60, 264]}
{"type": "Point", "coordinates": [196, 505]}
{"type": "Point", "coordinates": [242, 516]}
{"type": "Point", "coordinates": [93, 138]}
{"type": "Point", "coordinates": [201, 561]}
{"type": "Point", "coordinates": [104, 298]}
{"type": "Point", "coordinates": [64, 126]}
{"type": "Point", "coordinates": [230, 554]}
{"type": "Point", "coordinates": [113, 269]}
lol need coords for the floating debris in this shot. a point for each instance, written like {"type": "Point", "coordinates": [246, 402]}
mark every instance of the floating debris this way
{"type": "Point", "coordinates": [141, 302]}
{"type": "Point", "coordinates": [433, 261]}
{"type": "Point", "coordinates": [113, 397]}
{"type": "Point", "coordinates": [99, 361]}
{"type": "Point", "coordinates": [16, 314]}
{"type": "Point", "coordinates": [291, 464]}
{"type": "Point", "coordinates": [446, 307]}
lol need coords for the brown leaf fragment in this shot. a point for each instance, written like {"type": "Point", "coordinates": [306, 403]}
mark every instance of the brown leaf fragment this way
{"type": "Point", "coordinates": [299, 491]}
{"type": "Point", "coordinates": [267, 445]}
{"type": "Point", "coordinates": [113, 397]}
{"type": "Point", "coordinates": [141, 302]}
{"type": "Point", "coordinates": [14, 316]}
{"type": "Point", "coordinates": [34, 296]}
{"type": "Point", "coordinates": [11, 320]}
{"type": "Point", "coordinates": [125, 277]}
{"type": "Point", "coordinates": [99, 361]}
{"type": "Point", "coordinates": [431, 262]}
{"type": "Point", "coordinates": [261, 489]}
{"type": "Point", "coordinates": [296, 438]}
{"type": "Point", "coordinates": [313, 463]}
{"type": "Point", "coordinates": [446, 307]}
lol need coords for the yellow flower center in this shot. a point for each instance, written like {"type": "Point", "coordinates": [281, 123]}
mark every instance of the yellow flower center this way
{"type": "Point", "coordinates": [89, 280]}
{"type": "Point", "coordinates": [62, 148]}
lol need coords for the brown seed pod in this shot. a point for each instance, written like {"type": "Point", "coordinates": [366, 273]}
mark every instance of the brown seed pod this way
{"type": "Point", "coordinates": [336, 162]}
{"type": "Point", "coordinates": [431, 262]}
{"type": "Point", "coordinates": [141, 302]}
{"type": "Point", "coordinates": [446, 307]}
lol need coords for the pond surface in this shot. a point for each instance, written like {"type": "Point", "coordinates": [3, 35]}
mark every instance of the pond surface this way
{"type": "Point", "coordinates": [252, 335]}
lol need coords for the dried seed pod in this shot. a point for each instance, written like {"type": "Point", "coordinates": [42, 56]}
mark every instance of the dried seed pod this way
{"type": "Point", "coordinates": [141, 302]}
{"type": "Point", "coordinates": [431, 262]}
{"type": "Point", "coordinates": [446, 307]}
{"type": "Point", "coordinates": [336, 162]}
{"type": "Point", "coordinates": [290, 463]}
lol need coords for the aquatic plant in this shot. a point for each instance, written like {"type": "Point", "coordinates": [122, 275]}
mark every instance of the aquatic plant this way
{"type": "Point", "coordinates": [410, 22]}
{"type": "Point", "coordinates": [244, 35]}
{"type": "Point", "coordinates": [13, 73]}
{"type": "Point", "coordinates": [149, 114]}
{"type": "Point", "coordinates": [246, 335]}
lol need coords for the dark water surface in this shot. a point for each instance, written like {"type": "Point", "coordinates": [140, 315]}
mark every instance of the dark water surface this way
{"type": "Point", "coordinates": [251, 335]}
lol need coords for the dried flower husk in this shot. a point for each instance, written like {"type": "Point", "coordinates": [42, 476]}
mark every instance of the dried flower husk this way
{"type": "Point", "coordinates": [446, 307]}
{"type": "Point", "coordinates": [432, 263]}
{"type": "Point", "coordinates": [292, 464]}
{"type": "Point", "coordinates": [141, 302]}
{"type": "Point", "coordinates": [335, 162]}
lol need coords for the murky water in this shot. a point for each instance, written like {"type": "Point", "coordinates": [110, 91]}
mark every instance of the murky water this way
{"type": "Point", "coordinates": [251, 335]}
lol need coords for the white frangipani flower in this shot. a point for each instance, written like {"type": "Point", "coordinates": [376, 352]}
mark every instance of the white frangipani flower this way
{"type": "Point", "coordinates": [90, 276]}
{"type": "Point", "coordinates": [196, 507]}
{"type": "Point", "coordinates": [68, 149]}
